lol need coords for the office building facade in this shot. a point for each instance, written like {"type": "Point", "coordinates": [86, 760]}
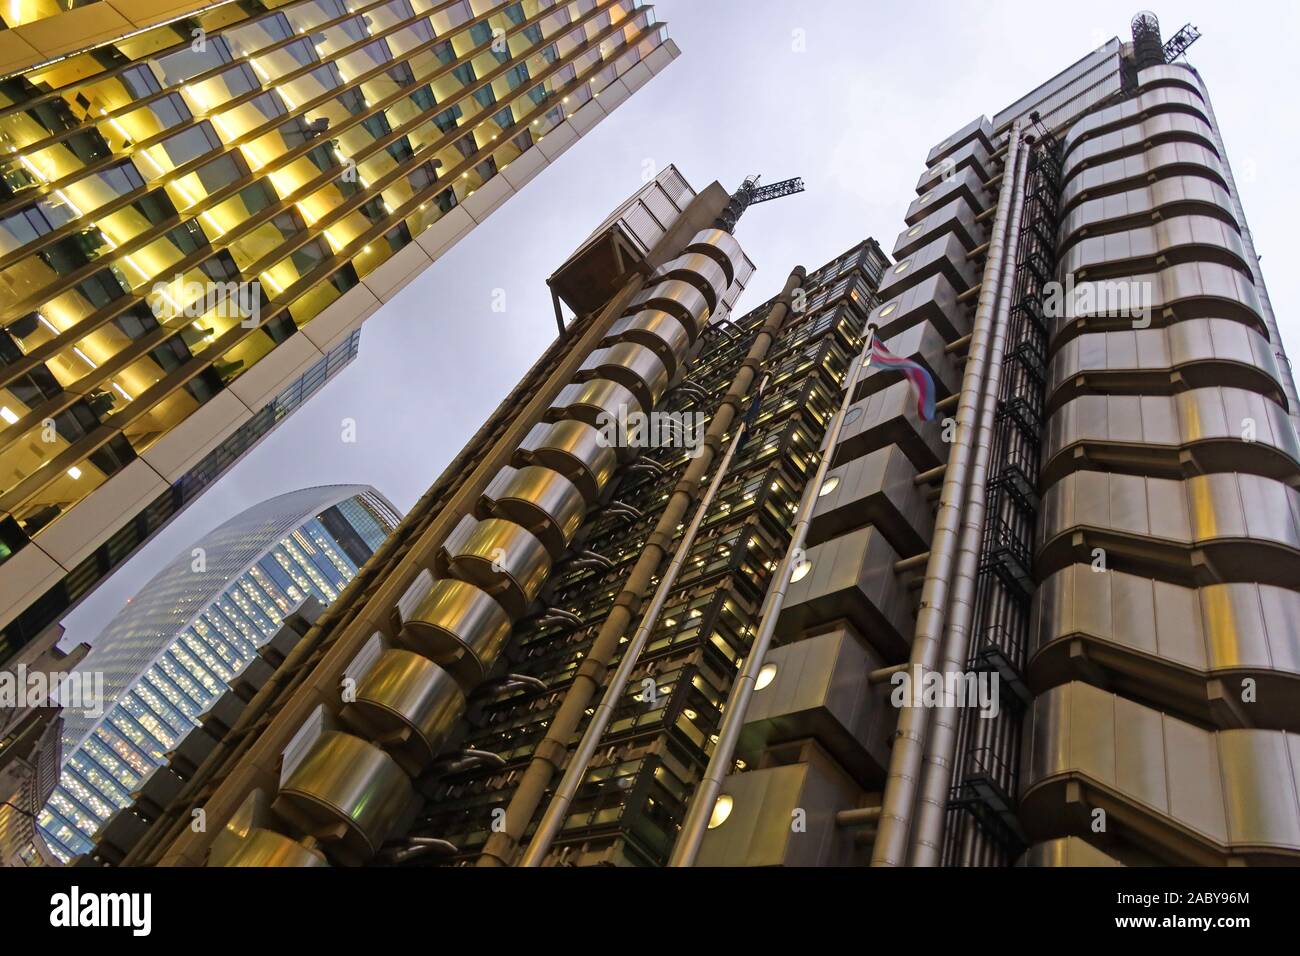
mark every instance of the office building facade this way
{"type": "Point", "coordinates": [188, 635]}
{"type": "Point", "coordinates": [200, 205]}
{"type": "Point", "coordinates": [1048, 627]}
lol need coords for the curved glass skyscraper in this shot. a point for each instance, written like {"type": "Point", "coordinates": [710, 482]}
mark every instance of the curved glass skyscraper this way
{"type": "Point", "coordinates": [168, 655]}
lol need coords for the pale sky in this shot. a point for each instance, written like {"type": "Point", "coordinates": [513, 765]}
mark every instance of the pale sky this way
{"type": "Point", "coordinates": [849, 94]}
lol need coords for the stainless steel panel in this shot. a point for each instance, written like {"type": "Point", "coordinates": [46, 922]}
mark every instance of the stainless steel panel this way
{"type": "Point", "coordinates": [722, 247]}
{"type": "Point", "coordinates": [922, 343]}
{"type": "Point", "coordinates": [956, 218]}
{"type": "Point", "coordinates": [1260, 815]}
{"type": "Point", "coordinates": [890, 417]}
{"type": "Point", "coordinates": [1207, 351]}
{"type": "Point", "coordinates": [1191, 794]}
{"type": "Point", "coordinates": [757, 831]}
{"type": "Point", "coordinates": [1190, 290]}
{"type": "Point", "coordinates": [852, 577]}
{"type": "Point", "coordinates": [964, 185]}
{"type": "Point", "coordinates": [1166, 159]}
{"type": "Point", "coordinates": [820, 691]}
{"type": "Point", "coordinates": [349, 794]}
{"type": "Point", "coordinates": [593, 401]}
{"type": "Point", "coordinates": [656, 330]}
{"type": "Point", "coordinates": [944, 255]}
{"type": "Point", "coordinates": [1175, 195]}
{"type": "Point", "coordinates": [266, 848]}
{"type": "Point", "coordinates": [545, 502]}
{"type": "Point", "coordinates": [459, 627]}
{"type": "Point", "coordinates": [1205, 529]}
{"type": "Point", "coordinates": [1212, 429]}
{"type": "Point", "coordinates": [633, 366]}
{"type": "Point", "coordinates": [1159, 127]}
{"type": "Point", "coordinates": [974, 153]}
{"type": "Point", "coordinates": [877, 489]}
{"type": "Point", "coordinates": [407, 704]}
{"type": "Point", "coordinates": [574, 449]}
{"type": "Point", "coordinates": [701, 271]}
{"type": "Point", "coordinates": [934, 300]}
{"type": "Point", "coordinates": [678, 298]}
{"type": "Point", "coordinates": [1066, 851]}
{"type": "Point", "coordinates": [1177, 239]}
{"type": "Point", "coordinates": [502, 558]}
{"type": "Point", "coordinates": [1171, 75]}
{"type": "Point", "coordinates": [978, 128]}
{"type": "Point", "coordinates": [1130, 110]}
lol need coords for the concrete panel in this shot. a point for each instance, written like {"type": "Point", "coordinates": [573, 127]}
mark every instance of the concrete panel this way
{"type": "Point", "coordinates": [182, 447]}
{"type": "Point", "coordinates": [15, 52]}
{"type": "Point", "coordinates": [487, 198]}
{"type": "Point", "coordinates": [25, 577]}
{"type": "Point", "coordinates": [445, 233]}
{"type": "Point", "coordinates": [345, 313]}
{"type": "Point", "coordinates": [270, 376]}
{"type": "Point", "coordinates": [75, 29]}
{"type": "Point", "coordinates": [71, 539]}
{"type": "Point", "coordinates": [558, 140]}
{"type": "Point", "coordinates": [522, 170]}
{"type": "Point", "coordinates": [145, 13]}
{"type": "Point", "coordinates": [394, 273]}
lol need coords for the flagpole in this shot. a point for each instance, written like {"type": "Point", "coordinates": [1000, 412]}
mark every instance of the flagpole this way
{"type": "Point", "coordinates": [558, 809]}
{"type": "Point", "coordinates": [700, 809]}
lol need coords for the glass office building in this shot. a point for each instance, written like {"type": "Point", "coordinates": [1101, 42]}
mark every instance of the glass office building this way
{"type": "Point", "coordinates": [200, 203]}
{"type": "Point", "coordinates": [170, 653]}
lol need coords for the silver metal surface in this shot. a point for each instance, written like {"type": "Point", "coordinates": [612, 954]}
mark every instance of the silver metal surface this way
{"type": "Point", "coordinates": [459, 627]}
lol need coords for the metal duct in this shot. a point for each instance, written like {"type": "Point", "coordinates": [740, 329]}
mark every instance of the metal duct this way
{"type": "Point", "coordinates": [701, 803]}
{"type": "Point", "coordinates": [941, 741]}
{"type": "Point", "coordinates": [551, 750]}
{"type": "Point", "coordinates": [351, 793]}
{"type": "Point", "coordinates": [909, 739]}
{"type": "Point", "coordinates": [576, 769]}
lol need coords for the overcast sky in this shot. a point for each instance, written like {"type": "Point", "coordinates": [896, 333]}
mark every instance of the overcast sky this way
{"type": "Point", "coordinates": [849, 94]}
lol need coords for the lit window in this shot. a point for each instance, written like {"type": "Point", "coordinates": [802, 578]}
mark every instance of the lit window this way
{"type": "Point", "coordinates": [721, 810]}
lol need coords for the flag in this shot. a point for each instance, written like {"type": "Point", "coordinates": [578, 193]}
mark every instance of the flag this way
{"type": "Point", "coordinates": [916, 374]}
{"type": "Point", "coordinates": [751, 416]}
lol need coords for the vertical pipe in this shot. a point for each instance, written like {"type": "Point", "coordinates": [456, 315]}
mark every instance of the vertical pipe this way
{"type": "Point", "coordinates": [553, 748]}
{"type": "Point", "coordinates": [700, 809]}
{"type": "Point", "coordinates": [941, 742]}
{"type": "Point", "coordinates": [556, 811]}
{"type": "Point", "coordinates": [909, 739]}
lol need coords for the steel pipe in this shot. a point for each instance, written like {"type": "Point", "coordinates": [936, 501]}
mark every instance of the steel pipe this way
{"type": "Point", "coordinates": [551, 750]}
{"type": "Point", "coordinates": [700, 808]}
{"type": "Point", "coordinates": [941, 743]}
{"type": "Point", "coordinates": [909, 737]}
{"type": "Point", "coordinates": [556, 811]}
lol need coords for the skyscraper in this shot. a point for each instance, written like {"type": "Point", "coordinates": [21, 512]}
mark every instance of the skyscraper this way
{"type": "Point", "coordinates": [201, 203]}
{"type": "Point", "coordinates": [171, 653]}
{"type": "Point", "coordinates": [1050, 626]}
